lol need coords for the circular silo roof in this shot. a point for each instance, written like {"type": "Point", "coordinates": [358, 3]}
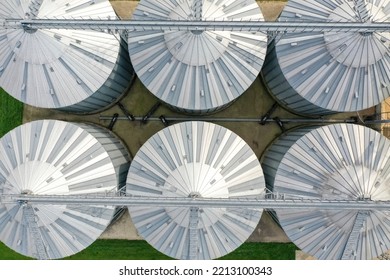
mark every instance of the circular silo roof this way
{"type": "Point", "coordinates": [53, 158]}
{"type": "Point", "coordinates": [336, 162]}
{"type": "Point", "coordinates": [195, 159]}
{"type": "Point", "coordinates": [55, 68]}
{"type": "Point", "coordinates": [197, 71]}
{"type": "Point", "coordinates": [337, 71]}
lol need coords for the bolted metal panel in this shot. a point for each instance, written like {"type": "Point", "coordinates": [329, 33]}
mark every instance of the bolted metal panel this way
{"type": "Point", "coordinates": [57, 158]}
{"type": "Point", "coordinates": [197, 71]}
{"type": "Point", "coordinates": [343, 162]}
{"type": "Point", "coordinates": [195, 159]}
{"type": "Point", "coordinates": [73, 70]}
{"type": "Point", "coordinates": [325, 72]}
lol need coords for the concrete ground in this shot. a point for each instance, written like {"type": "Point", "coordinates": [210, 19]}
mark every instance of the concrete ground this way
{"type": "Point", "coordinates": [255, 102]}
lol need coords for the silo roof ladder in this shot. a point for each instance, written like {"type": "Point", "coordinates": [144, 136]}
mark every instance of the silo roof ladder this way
{"type": "Point", "coordinates": [361, 10]}
{"type": "Point", "coordinates": [351, 246]}
{"type": "Point", "coordinates": [29, 214]}
{"type": "Point", "coordinates": [193, 231]}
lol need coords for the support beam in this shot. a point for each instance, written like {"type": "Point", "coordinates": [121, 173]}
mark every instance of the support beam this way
{"type": "Point", "coordinates": [185, 202]}
{"type": "Point", "coordinates": [257, 120]}
{"type": "Point", "coordinates": [204, 25]}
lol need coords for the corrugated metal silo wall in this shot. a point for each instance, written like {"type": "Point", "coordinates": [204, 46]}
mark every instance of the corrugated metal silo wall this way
{"type": "Point", "coordinates": [281, 89]}
{"type": "Point", "coordinates": [275, 153]}
{"type": "Point", "coordinates": [114, 147]}
{"type": "Point", "coordinates": [114, 88]}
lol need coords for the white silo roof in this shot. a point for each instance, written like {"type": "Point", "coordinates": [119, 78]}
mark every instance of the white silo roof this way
{"type": "Point", "coordinates": [197, 71]}
{"type": "Point", "coordinates": [55, 158]}
{"type": "Point", "coordinates": [336, 71]}
{"type": "Point", "coordinates": [195, 159]}
{"type": "Point", "coordinates": [56, 68]}
{"type": "Point", "coordinates": [337, 162]}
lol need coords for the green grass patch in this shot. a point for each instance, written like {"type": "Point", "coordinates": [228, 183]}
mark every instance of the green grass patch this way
{"type": "Point", "coordinates": [11, 112]}
{"type": "Point", "coordinates": [103, 249]}
{"type": "Point", "coordinates": [263, 251]}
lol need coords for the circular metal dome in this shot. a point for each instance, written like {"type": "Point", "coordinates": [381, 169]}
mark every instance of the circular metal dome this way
{"type": "Point", "coordinates": [73, 70]}
{"type": "Point", "coordinates": [196, 71]}
{"type": "Point", "coordinates": [336, 162]}
{"type": "Point", "coordinates": [325, 72]}
{"type": "Point", "coordinates": [57, 158]}
{"type": "Point", "coordinates": [195, 159]}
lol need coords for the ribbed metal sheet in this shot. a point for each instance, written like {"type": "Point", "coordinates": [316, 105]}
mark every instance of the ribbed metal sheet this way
{"type": "Point", "coordinates": [337, 162]}
{"type": "Point", "coordinates": [320, 73]}
{"type": "Point", "coordinates": [197, 72]}
{"type": "Point", "coordinates": [195, 159]}
{"type": "Point", "coordinates": [55, 157]}
{"type": "Point", "coordinates": [74, 70]}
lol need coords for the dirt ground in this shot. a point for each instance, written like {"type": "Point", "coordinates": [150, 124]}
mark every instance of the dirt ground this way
{"type": "Point", "coordinates": [255, 102]}
{"type": "Point", "coordinates": [270, 9]}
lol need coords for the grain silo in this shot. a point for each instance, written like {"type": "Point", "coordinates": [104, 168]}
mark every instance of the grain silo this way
{"type": "Point", "coordinates": [323, 72]}
{"type": "Point", "coordinates": [73, 70]}
{"type": "Point", "coordinates": [195, 160]}
{"type": "Point", "coordinates": [57, 158]}
{"type": "Point", "coordinates": [197, 71]}
{"type": "Point", "coordinates": [343, 162]}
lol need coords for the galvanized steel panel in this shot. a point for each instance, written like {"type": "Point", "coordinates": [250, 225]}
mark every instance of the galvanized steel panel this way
{"type": "Point", "coordinates": [197, 72]}
{"type": "Point", "coordinates": [195, 159]}
{"type": "Point", "coordinates": [325, 72]}
{"type": "Point", "coordinates": [58, 158]}
{"type": "Point", "coordinates": [336, 162]}
{"type": "Point", "coordinates": [64, 69]}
